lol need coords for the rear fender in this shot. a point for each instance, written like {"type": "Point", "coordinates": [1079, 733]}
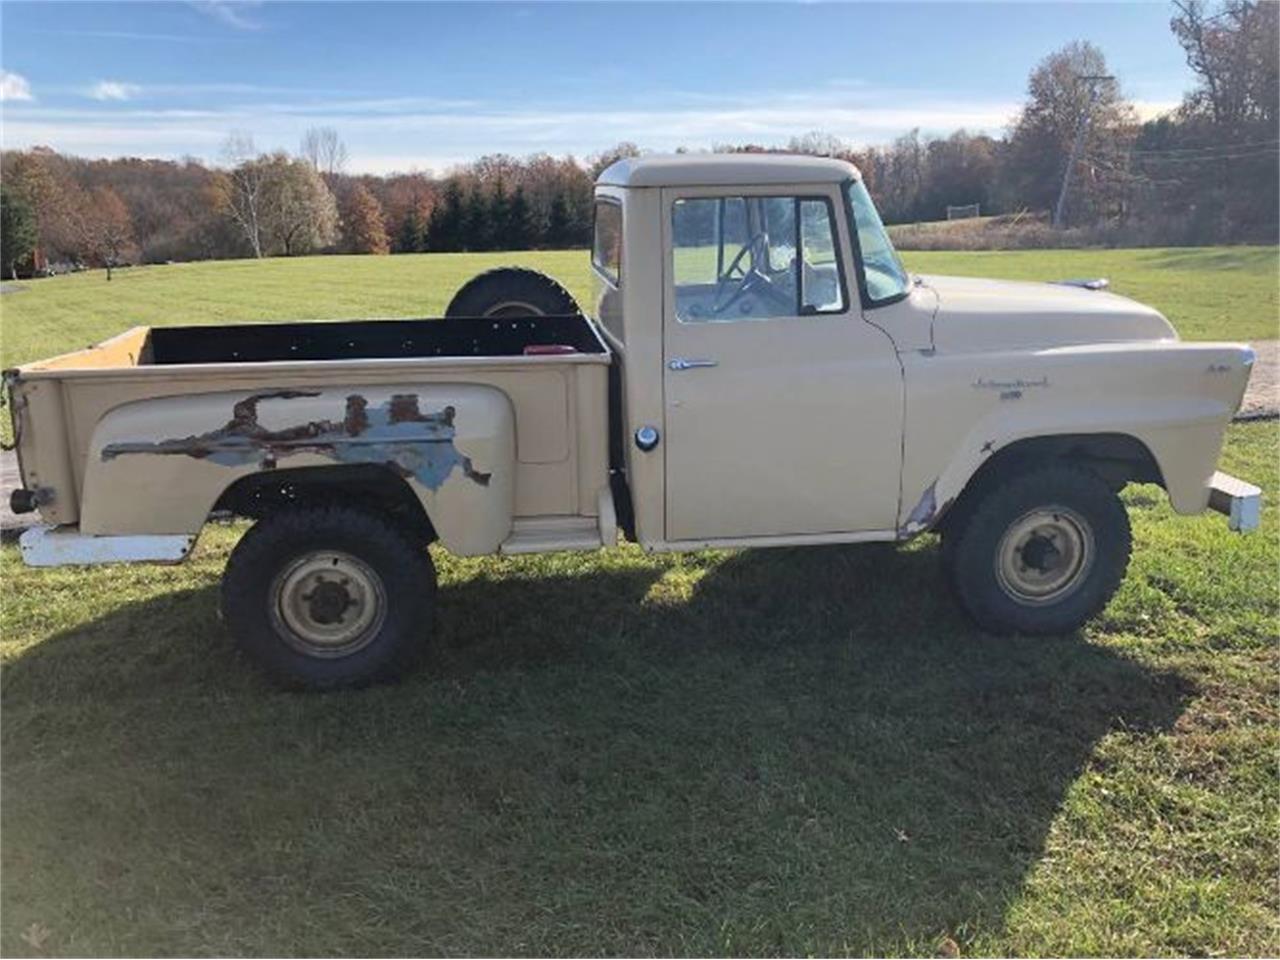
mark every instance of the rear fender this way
{"type": "Point", "coordinates": [158, 466]}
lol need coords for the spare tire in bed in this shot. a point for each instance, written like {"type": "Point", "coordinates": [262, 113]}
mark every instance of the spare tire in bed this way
{"type": "Point", "coordinates": [511, 292]}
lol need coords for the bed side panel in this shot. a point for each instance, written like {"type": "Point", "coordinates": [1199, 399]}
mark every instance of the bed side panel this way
{"type": "Point", "coordinates": [158, 466]}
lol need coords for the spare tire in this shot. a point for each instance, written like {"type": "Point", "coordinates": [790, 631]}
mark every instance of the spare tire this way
{"type": "Point", "coordinates": [511, 292]}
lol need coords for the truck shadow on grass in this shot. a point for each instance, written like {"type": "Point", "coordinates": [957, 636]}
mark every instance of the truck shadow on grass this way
{"type": "Point", "coordinates": [771, 752]}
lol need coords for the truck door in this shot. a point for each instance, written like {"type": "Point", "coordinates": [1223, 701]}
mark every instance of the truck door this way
{"type": "Point", "coordinates": [783, 406]}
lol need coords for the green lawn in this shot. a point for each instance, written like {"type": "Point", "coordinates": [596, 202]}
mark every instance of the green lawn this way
{"type": "Point", "coordinates": [760, 752]}
{"type": "Point", "coordinates": [1220, 292]}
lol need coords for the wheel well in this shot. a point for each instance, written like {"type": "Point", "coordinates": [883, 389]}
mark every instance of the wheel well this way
{"type": "Point", "coordinates": [1117, 458]}
{"type": "Point", "coordinates": [368, 485]}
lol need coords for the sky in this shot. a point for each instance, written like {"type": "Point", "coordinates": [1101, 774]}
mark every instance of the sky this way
{"type": "Point", "coordinates": [423, 86]}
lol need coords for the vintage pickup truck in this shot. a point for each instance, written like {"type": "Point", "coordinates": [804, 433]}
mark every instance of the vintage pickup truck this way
{"type": "Point", "coordinates": [759, 370]}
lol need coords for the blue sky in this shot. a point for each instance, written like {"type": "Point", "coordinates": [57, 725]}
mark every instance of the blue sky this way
{"type": "Point", "coordinates": [423, 86]}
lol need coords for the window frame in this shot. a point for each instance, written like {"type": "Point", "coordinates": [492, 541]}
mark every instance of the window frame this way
{"type": "Point", "coordinates": [601, 269]}
{"type": "Point", "coordinates": [796, 198]}
{"type": "Point", "coordinates": [859, 268]}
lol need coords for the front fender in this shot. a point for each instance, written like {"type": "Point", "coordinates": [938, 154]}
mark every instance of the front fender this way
{"type": "Point", "coordinates": [158, 466]}
{"type": "Point", "coordinates": [1175, 398]}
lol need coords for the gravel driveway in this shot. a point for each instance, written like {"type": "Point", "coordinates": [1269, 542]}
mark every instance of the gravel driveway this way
{"type": "Point", "coordinates": [1261, 401]}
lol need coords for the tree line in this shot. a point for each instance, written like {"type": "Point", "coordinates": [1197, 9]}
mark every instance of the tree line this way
{"type": "Point", "coordinates": [1206, 172]}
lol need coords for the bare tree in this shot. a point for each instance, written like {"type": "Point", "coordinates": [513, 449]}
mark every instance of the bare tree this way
{"type": "Point", "coordinates": [239, 191]}
{"type": "Point", "coordinates": [324, 150]}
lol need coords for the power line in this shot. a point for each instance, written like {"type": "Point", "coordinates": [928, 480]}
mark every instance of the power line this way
{"type": "Point", "coordinates": [1270, 144]}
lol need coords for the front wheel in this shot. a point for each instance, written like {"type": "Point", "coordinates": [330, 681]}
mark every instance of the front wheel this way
{"type": "Point", "coordinates": [329, 596]}
{"type": "Point", "coordinates": [1041, 552]}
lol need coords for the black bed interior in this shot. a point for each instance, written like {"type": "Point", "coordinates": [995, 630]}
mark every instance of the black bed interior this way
{"type": "Point", "coordinates": [374, 339]}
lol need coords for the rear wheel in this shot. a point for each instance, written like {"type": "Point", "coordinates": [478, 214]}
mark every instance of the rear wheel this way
{"type": "Point", "coordinates": [331, 596]}
{"type": "Point", "coordinates": [1041, 552]}
{"type": "Point", "coordinates": [511, 292]}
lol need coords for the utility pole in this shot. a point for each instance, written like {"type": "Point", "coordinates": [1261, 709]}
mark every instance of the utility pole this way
{"type": "Point", "coordinates": [1060, 209]}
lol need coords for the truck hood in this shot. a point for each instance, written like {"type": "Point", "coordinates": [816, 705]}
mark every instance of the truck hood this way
{"type": "Point", "coordinates": [977, 314]}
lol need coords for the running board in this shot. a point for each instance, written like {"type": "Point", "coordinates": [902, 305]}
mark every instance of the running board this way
{"type": "Point", "coordinates": [67, 546]}
{"type": "Point", "coordinates": [1238, 500]}
{"type": "Point", "coordinates": [545, 534]}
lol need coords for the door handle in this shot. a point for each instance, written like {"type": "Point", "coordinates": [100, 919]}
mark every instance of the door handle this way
{"type": "Point", "coordinates": [680, 363]}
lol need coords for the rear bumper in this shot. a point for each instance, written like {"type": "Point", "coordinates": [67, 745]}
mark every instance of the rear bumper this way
{"type": "Point", "coordinates": [1239, 501]}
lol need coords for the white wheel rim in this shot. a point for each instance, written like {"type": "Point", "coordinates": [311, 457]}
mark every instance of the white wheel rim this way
{"type": "Point", "coordinates": [327, 604]}
{"type": "Point", "coordinates": [1044, 555]}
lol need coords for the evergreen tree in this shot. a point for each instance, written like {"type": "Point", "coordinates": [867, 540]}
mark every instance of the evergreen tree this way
{"type": "Point", "coordinates": [444, 230]}
{"type": "Point", "coordinates": [519, 222]}
{"type": "Point", "coordinates": [558, 222]}
{"type": "Point", "coordinates": [17, 230]}
{"type": "Point", "coordinates": [498, 220]}
{"type": "Point", "coordinates": [410, 237]}
{"type": "Point", "coordinates": [475, 217]}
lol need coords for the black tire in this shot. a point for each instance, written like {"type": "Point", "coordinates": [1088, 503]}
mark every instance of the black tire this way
{"type": "Point", "coordinates": [264, 592]}
{"type": "Point", "coordinates": [984, 562]}
{"type": "Point", "coordinates": [511, 292]}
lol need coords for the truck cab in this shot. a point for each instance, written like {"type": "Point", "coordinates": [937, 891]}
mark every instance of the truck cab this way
{"type": "Point", "coordinates": [795, 384]}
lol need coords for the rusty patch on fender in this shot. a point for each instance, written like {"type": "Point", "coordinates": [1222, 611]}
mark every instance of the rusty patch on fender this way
{"type": "Point", "coordinates": [396, 434]}
{"type": "Point", "coordinates": [922, 513]}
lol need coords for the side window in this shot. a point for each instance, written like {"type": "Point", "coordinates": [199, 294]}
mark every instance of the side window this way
{"type": "Point", "coordinates": [754, 258]}
{"type": "Point", "coordinates": [606, 249]}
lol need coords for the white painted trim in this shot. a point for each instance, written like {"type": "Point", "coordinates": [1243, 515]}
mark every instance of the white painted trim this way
{"type": "Point", "coordinates": [47, 546]}
{"type": "Point", "coordinates": [784, 540]}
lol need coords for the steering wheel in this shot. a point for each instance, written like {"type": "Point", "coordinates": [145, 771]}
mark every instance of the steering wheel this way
{"type": "Point", "coordinates": [725, 297]}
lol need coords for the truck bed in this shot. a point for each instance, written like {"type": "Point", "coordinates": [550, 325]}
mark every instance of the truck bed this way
{"type": "Point", "coordinates": [552, 369]}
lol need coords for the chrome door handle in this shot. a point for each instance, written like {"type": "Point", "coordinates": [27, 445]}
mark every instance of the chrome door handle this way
{"type": "Point", "coordinates": [680, 363]}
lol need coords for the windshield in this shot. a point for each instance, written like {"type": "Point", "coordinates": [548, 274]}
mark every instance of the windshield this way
{"type": "Point", "coordinates": [886, 278]}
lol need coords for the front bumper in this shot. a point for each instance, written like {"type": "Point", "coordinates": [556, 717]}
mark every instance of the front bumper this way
{"type": "Point", "coordinates": [1238, 500]}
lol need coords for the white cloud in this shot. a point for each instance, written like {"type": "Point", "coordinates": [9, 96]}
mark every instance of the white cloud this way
{"type": "Point", "coordinates": [114, 90]}
{"type": "Point", "coordinates": [229, 12]}
{"type": "Point", "coordinates": [403, 132]}
{"type": "Point", "coordinates": [14, 86]}
{"type": "Point", "coordinates": [1150, 109]}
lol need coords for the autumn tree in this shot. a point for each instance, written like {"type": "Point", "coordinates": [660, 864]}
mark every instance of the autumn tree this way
{"type": "Point", "coordinates": [18, 230]}
{"type": "Point", "coordinates": [299, 213]}
{"type": "Point", "coordinates": [281, 205]}
{"type": "Point", "coordinates": [1236, 59]}
{"type": "Point", "coordinates": [362, 224]}
{"type": "Point", "coordinates": [40, 177]}
{"type": "Point", "coordinates": [100, 223]}
{"type": "Point", "coordinates": [1068, 92]}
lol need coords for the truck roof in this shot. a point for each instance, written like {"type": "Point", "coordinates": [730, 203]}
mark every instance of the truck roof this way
{"type": "Point", "coordinates": [716, 169]}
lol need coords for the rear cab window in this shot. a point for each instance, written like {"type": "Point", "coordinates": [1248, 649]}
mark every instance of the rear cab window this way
{"type": "Point", "coordinates": [606, 247]}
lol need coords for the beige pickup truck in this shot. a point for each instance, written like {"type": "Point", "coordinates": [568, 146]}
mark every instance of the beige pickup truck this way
{"type": "Point", "coordinates": [759, 370]}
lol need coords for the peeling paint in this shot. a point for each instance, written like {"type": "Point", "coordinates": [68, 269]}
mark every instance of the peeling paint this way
{"type": "Point", "coordinates": [395, 433]}
{"type": "Point", "coordinates": [922, 513]}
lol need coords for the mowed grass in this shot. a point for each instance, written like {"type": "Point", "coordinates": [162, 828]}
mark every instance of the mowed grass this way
{"type": "Point", "coordinates": [1230, 293]}
{"type": "Point", "coordinates": [759, 752]}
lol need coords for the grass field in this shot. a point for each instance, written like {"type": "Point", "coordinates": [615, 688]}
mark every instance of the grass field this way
{"type": "Point", "coordinates": [761, 752]}
{"type": "Point", "coordinates": [1210, 293]}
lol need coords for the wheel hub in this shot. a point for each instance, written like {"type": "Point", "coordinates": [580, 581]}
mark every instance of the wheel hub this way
{"type": "Point", "coordinates": [328, 603]}
{"type": "Point", "coordinates": [1044, 555]}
